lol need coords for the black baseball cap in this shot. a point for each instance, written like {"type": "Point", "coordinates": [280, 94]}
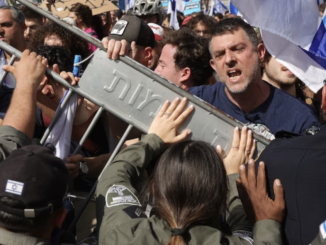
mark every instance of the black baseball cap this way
{"type": "Point", "coordinates": [34, 176]}
{"type": "Point", "coordinates": [133, 29]}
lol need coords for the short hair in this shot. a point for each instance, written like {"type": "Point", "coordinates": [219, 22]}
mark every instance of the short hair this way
{"type": "Point", "coordinates": [233, 24]}
{"type": "Point", "coordinates": [192, 51]}
{"type": "Point", "coordinates": [16, 14]}
{"type": "Point", "coordinates": [84, 12]}
{"type": "Point", "coordinates": [322, 7]}
{"type": "Point", "coordinates": [30, 14]}
{"type": "Point", "coordinates": [219, 15]}
{"type": "Point", "coordinates": [208, 21]}
{"type": "Point", "coordinates": [57, 55]}
{"type": "Point", "coordinates": [16, 223]}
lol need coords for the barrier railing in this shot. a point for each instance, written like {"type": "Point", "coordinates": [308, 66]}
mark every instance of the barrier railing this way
{"type": "Point", "coordinates": [134, 94]}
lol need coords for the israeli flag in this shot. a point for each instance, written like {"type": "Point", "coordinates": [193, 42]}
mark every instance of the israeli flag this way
{"type": "Point", "coordinates": [217, 7]}
{"type": "Point", "coordinates": [14, 187]}
{"type": "Point", "coordinates": [130, 4]}
{"type": "Point", "coordinates": [173, 7]}
{"type": "Point", "coordinates": [294, 33]}
{"type": "Point", "coordinates": [234, 10]}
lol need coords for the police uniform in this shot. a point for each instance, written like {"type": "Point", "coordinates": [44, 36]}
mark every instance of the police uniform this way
{"type": "Point", "coordinates": [124, 222]}
{"type": "Point", "coordinates": [10, 140]}
{"type": "Point", "coordinates": [300, 164]}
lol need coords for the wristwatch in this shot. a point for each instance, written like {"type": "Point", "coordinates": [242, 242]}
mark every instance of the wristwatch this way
{"type": "Point", "coordinates": [83, 168]}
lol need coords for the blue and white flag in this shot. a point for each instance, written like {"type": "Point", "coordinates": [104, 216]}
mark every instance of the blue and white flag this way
{"type": "Point", "coordinates": [234, 10]}
{"type": "Point", "coordinates": [174, 6]}
{"type": "Point", "coordinates": [294, 33]}
{"type": "Point", "coordinates": [217, 7]}
{"type": "Point", "coordinates": [130, 4]}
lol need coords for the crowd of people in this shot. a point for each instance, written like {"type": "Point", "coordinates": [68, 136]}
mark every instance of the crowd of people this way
{"type": "Point", "coordinates": [162, 187]}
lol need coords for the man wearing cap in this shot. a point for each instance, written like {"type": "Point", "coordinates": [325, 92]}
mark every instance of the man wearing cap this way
{"type": "Point", "coordinates": [33, 187]}
{"type": "Point", "coordinates": [139, 40]}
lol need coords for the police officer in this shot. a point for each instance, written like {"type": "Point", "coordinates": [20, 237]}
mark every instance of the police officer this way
{"type": "Point", "coordinates": [299, 163]}
{"type": "Point", "coordinates": [187, 180]}
{"type": "Point", "coordinates": [33, 187]}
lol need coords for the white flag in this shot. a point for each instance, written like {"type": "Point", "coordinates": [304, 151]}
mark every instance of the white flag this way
{"type": "Point", "coordinates": [293, 33]}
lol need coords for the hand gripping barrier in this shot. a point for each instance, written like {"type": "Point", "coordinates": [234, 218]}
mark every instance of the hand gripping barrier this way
{"type": "Point", "coordinates": [134, 94]}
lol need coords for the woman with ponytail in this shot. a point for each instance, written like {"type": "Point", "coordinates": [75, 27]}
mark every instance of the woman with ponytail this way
{"type": "Point", "coordinates": [191, 198]}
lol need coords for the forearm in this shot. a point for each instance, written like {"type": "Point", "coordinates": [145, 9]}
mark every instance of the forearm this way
{"type": "Point", "coordinates": [22, 109]}
{"type": "Point", "coordinates": [48, 107]}
{"type": "Point", "coordinates": [236, 216]}
{"type": "Point", "coordinates": [128, 165]}
{"type": "Point", "coordinates": [96, 164]}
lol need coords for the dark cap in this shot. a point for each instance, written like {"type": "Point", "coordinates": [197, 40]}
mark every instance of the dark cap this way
{"type": "Point", "coordinates": [131, 28]}
{"type": "Point", "coordinates": [34, 176]}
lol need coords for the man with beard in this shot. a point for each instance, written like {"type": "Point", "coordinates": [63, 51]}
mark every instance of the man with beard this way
{"type": "Point", "coordinates": [236, 57]}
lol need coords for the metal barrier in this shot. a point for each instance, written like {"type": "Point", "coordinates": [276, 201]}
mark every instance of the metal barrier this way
{"type": "Point", "coordinates": [134, 94]}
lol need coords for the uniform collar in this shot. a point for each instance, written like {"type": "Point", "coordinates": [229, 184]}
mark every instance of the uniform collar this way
{"type": "Point", "coordinates": [11, 238]}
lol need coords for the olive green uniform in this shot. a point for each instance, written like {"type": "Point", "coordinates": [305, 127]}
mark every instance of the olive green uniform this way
{"type": "Point", "coordinates": [124, 222]}
{"type": "Point", "coordinates": [10, 140]}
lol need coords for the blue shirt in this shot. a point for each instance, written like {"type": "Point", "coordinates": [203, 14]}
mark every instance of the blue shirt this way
{"type": "Point", "coordinates": [280, 111]}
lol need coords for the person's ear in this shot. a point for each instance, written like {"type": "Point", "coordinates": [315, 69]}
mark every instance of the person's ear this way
{"type": "Point", "coordinates": [185, 75]}
{"type": "Point", "coordinates": [148, 55]}
{"type": "Point", "coordinates": [212, 63]}
{"type": "Point", "coordinates": [261, 50]}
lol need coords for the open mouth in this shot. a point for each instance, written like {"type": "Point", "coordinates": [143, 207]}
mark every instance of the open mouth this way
{"type": "Point", "coordinates": [234, 75]}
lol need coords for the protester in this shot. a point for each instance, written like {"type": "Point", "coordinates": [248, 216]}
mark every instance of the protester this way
{"type": "Point", "coordinates": [202, 24]}
{"type": "Point", "coordinates": [18, 124]}
{"type": "Point", "coordinates": [82, 14]}
{"type": "Point", "coordinates": [139, 40]}
{"type": "Point", "coordinates": [159, 33]}
{"type": "Point", "coordinates": [33, 21]}
{"type": "Point", "coordinates": [185, 59]}
{"type": "Point", "coordinates": [236, 57]}
{"type": "Point", "coordinates": [149, 11]}
{"type": "Point", "coordinates": [12, 24]}
{"type": "Point", "coordinates": [33, 187]}
{"type": "Point", "coordinates": [180, 187]}
{"type": "Point", "coordinates": [54, 35]}
{"type": "Point", "coordinates": [321, 8]}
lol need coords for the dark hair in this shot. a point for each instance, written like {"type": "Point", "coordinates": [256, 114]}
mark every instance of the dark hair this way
{"type": "Point", "coordinates": [219, 15]}
{"type": "Point", "coordinates": [84, 12]}
{"type": "Point", "coordinates": [321, 7]}
{"type": "Point", "coordinates": [57, 55]}
{"type": "Point", "coordinates": [69, 40]}
{"type": "Point", "coordinates": [30, 14]}
{"type": "Point", "coordinates": [97, 26]}
{"type": "Point", "coordinates": [16, 223]}
{"type": "Point", "coordinates": [192, 51]}
{"type": "Point", "coordinates": [207, 21]}
{"type": "Point", "coordinates": [190, 186]}
{"type": "Point", "coordinates": [16, 14]}
{"type": "Point", "coordinates": [233, 24]}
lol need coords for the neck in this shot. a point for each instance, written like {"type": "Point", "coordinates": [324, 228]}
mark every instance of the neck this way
{"type": "Point", "coordinates": [250, 99]}
{"type": "Point", "coordinates": [83, 26]}
{"type": "Point", "coordinates": [288, 89]}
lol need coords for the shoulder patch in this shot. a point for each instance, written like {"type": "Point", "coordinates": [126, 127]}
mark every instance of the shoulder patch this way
{"type": "Point", "coordinates": [119, 27]}
{"type": "Point", "coordinates": [120, 195]}
{"type": "Point", "coordinates": [134, 212]}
